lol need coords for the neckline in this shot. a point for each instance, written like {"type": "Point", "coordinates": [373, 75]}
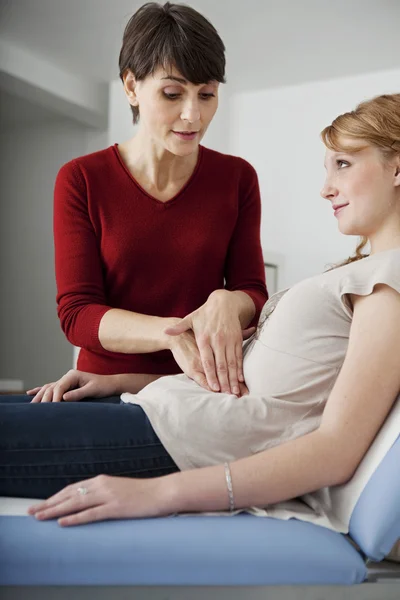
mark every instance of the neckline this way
{"type": "Point", "coordinates": [156, 200]}
{"type": "Point", "coordinates": [383, 252]}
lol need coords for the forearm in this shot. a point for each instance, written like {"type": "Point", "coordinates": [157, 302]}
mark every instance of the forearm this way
{"type": "Point", "coordinates": [134, 333]}
{"type": "Point", "coordinates": [303, 465]}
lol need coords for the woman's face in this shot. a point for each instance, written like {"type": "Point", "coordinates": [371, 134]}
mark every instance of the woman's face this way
{"type": "Point", "coordinates": [363, 190]}
{"type": "Point", "coordinates": [174, 113]}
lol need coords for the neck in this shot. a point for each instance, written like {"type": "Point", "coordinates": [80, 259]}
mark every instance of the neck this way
{"type": "Point", "coordinates": [159, 167]}
{"type": "Point", "coordinates": [387, 239]}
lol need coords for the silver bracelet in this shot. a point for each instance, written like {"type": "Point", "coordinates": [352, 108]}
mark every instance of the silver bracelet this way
{"type": "Point", "coordinates": [229, 486]}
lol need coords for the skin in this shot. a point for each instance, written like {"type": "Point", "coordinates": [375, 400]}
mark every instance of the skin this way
{"type": "Point", "coordinates": [352, 416]}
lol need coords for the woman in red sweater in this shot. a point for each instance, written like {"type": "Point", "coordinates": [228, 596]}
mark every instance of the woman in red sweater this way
{"type": "Point", "coordinates": [159, 264]}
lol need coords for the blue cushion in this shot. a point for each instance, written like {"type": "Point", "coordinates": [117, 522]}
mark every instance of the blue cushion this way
{"type": "Point", "coordinates": [375, 522]}
{"type": "Point", "coordinates": [193, 550]}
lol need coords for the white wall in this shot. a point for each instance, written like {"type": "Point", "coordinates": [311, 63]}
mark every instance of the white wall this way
{"type": "Point", "coordinates": [218, 135]}
{"type": "Point", "coordinates": [38, 80]}
{"type": "Point", "coordinates": [277, 130]}
{"type": "Point", "coordinates": [48, 116]}
{"type": "Point", "coordinates": [120, 126]}
{"type": "Point", "coordinates": [32, 345]}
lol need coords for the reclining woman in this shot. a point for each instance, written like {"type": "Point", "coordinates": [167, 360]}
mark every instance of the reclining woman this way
{"type": "Point", "coordinates": [322, 372]}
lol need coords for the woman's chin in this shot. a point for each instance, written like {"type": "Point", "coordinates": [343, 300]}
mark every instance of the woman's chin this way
{"type": "Point", "coordinates": [181, 147]}
{"type": "Point", "coordinates": [182, 154]}
{"type": "Point", "coordinates": [348, 229]}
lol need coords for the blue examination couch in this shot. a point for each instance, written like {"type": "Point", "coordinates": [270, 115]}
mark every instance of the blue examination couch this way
{"type": "Point", "coordinates": [175, 557]}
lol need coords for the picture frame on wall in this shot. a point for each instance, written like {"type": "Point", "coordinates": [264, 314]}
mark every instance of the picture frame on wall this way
{"type": "Point", "coordinates": [271, 277]}
{"type": "Point", "coordinates": [273, 264]}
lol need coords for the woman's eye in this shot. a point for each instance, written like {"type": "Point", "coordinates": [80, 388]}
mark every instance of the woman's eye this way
{"type": "Point", "coordinates": [342, 163]}
{"type": "Point", "coordinates": [175, 95]}
{"type": "Point", "coordinates": [171, 96]}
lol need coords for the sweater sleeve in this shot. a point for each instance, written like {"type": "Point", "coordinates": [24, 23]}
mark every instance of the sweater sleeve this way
{"type": "Point", "coordinates": [81, 298]}
{"type": "Point", "coordinates": [244, 269]}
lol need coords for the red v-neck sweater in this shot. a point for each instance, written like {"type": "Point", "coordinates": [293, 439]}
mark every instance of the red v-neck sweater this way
{"type": "Point", "coordinates": [118, 247]}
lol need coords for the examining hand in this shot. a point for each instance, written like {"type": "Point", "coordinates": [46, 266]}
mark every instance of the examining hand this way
{"type": "Point", "coordinates": [76, 385]}
{"type": "Point", "coordinates": [186, 353]}
{"type": "Point", "coordinates": [105, 497]}
{"type": "Point", "coordinates": [219, 336]}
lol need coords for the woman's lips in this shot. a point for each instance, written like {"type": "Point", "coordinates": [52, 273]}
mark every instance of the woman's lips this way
{"type": "Point", "coordinates": [339, 208]}
{"type": "Point", "coordinates": [186, 135]}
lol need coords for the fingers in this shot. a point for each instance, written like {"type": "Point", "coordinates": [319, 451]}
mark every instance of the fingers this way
{"type": "Point", "coordinates": [68, 381]}
{"type": "Point", "coordinates": [243, 389]}
{"type": "Point", "coordinates": [221, 365]}
{"type": "Point", "coordinates": [74, 511]}
{"type": "Point", "coordinates": [239, 362]}
{"type": "Point", "coordinates": [67, 494]}
{"type": "Point", "coordinates": [72, 508]}
{"type": "Point", "coordinates": [208, 362]}
{"type": "Point", "coordinates": [199, 377]}
{"type": "Point", "coordinates": [95, 513]}
{"type": "Point", "coordinates": [44, 390]}
{"type": "Point", "coordinates": [233, 372]}
{"type": "Point", "coordinates": [78, 394]}
{"type": "Point", "coordinates": [65, 507]}
{"type": "Point", "coordinates": [214, 362]}
{"type": "Point", "coordinates": [54, 392]}
{"type": "Point", "coordinates": [34, 390]}
{"type": "Point", "coordinates": [187, 355]}
{"type": "Point", "coordinates": [56, 498]}
{"type": "Point", "coordinates": [48, 394]}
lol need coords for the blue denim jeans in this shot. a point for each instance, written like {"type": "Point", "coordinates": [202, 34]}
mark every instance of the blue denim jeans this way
{"type": "Point", "coordinates": [44, 447]}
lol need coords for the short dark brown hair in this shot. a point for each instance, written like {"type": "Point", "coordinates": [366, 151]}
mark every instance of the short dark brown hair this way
{"type": "Point", "coordinates": [173, 35]}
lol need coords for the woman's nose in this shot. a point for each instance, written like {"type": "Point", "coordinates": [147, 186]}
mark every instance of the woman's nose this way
{"type": "Point", "coordinates": [191, 112]}
{"type": "Point", "coordinates": [328, 191]}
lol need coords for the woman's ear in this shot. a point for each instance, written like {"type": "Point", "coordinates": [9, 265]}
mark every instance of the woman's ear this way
{"type": "Point", "coordinates": [397, 172]}
{"type": "Point", "coordinates": [130, 87]}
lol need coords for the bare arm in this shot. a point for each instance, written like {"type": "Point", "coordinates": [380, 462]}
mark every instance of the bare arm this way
{"type": "Point", "coordinates": [78, 385]}
{"type": "Point", "coordinates": [361, 399]}
{"type": "Point", "coordinates": [134, 333]}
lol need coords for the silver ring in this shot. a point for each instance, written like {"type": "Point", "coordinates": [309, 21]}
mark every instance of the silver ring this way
{"type": "Point", "coordinates": [82, 491]}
